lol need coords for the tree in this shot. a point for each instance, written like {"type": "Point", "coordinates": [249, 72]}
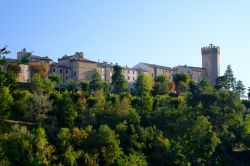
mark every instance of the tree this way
{"type": "Point", "coordinates": [248, 93]}
{"type": "Point", "coordinates": [5, 102]}
{"type": "Point", "coordinates": [106, 144]}
{"type": "Point", "coordinates": [41, 105]}
{"type": "Point", "coordinates": [41, 84]}
{"type": "Point", "coordinates": [85, 87]}
{"type": "Point", "coordinates": [71, 85]}
{"type": "Point", "coordinates": [144, 84]}
{"type": "Point", "coordinates": [96, 82]}
{"type": "Point", "coordinates": [229, 78]}
{"type": "Point", "coordinates": [3, 51]}
{"type": "Point", "coordinates": [182, 82]}
{"type": "Point", "coordinates": [240, 88]}
{"type": "Point", "coordinates": [7, 79]}
{"type": "Point", "coordinates": [221, 82]}
{"type": "Point", "coordinates": [22, 105]}
{"type": "Point", "coordinates": [19, 146]}
{"type": "Point", "coordinates": [161, 85]}
{"type": "Point", "coordinates": [14, 67]}
{"type": "Point", "coordinates": [65, 110]}
{"type": "Point", "coordinates": [119, 82]}
{"type": "Point", "coordinates": [56, 78]}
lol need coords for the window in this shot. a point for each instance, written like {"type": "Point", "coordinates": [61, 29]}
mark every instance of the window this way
{"type": "Point", "coordinates": [53, 69]}
{"type": "Point", "coordinates": [102, 69]}
{"type": "Point", "coordinates": [128, 71]}
{"type": "Point", "coordinates": [66, 78]}
{"type": "Point", "coordinates": [133, 78]}
{"type": "Point", "coordinates": [110, 74]}
{"type": "Point", "coordinates": [133, 72]}
{"type": "Point", "coordinates": [103, 77]}
{"type": "Point", "coordinates": [60, 70]}
{"type": "Point", "coordinates": [66, 71]}
{"type": "Point", "coordinates": [128, 78]}
{"type": "Point", "coordinates": [74, 73]}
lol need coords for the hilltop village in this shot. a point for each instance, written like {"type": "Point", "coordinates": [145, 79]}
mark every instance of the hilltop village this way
{"type": "Point", "coordinates": [77, 68]}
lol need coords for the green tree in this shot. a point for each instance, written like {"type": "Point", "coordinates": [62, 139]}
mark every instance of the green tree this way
{"type": "Point", "coordinates": [41, 105]}
{"type": "Point", "coordinates": [105, 143]}
{"type": "Point", "coordinates": [22, 105]}
{"type": "Point", "coordinates": [119, 82]}
{"type": "Point", "coordinates": [229, 78]}
{"type": "Point", "coordinates": [240, 88]}
{"type": "Point", "coordinates": [65, 110]}
{"type": "Point", "coordinates": [14, 67]}
{"type": "Point", "coordinates": [7, 79]}
{"type": "Point", "coordinates": [221, 82]}
{"type": "Point", "coordinates": [85, 86]}
{"type": "Point", "coordinates": [96, 82]}
{"type": "Point", "coordinates": [6, 101]}
{"type": "Point", "coordinates": [56, 78]}
{"type": "Point", "coordinates": [182, 82]}
{"type": "Point", "coordinates": [161, 85]}
{"type": "Point", "coordinates": [3, 51]}
{"type": "Point", "coordinates": [22, 147]}
{"type": "Point", "coordinates": [71, 85]}
{"type": "Point", "coordinates": [41, 84]}
{"type": "Point", "coordinates": [144, 83]}
{"type": "Point", "coordinates": [248, 93]}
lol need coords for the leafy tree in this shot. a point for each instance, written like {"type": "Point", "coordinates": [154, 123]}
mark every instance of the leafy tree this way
{"type": "Point", "coordinates": [240, 88]}
{"type": "Point", "coordinates": [71, 85]}
{"type": "Point", "coordinates": [5, 102]}
{"type": "Point", "coordinates": [182, 82]}
{"type": "Point", "coordinates": [26, 58]}
{"type": "Point", "coordinates": [14, 67]}
{"type": "Point", "coordinates": [229, 78]}
{"type": "Point", "coordinates": [56, 78]}
{"type": "Point", "coordinates": [221, 82]}
{"type": "Point", "coordinates": [41, 105]}
{"type": "Point", "coordinates": [40, 84]}
{"type": "Point", "coordinates": [248, 93]}
{"type": "Point", "coordinates": [144, 83]}
{"type": "Point", "coordinates": [22, 104]}
{"type": "Point", "coordinates": [105, 144]}
{"type": "Point", "coordinates": [65, 110]}
{"type": "Point", "coordinates": [85, 87]}
{"type": "Point", "coordinates": [203, 141]}
{"type": "Point", "coordinates": [119, 82]}
{"type": "Point", "coordinates": [44, 152]}
{"type": "Point", "coordinates": [7, 79]}
{"type": "Point", "coordinates": [3, 51]}
{"type": "Point", "coordinates": [22, 147]}
{"type": "Point", "coordinates": [96, 82]}
{"type": "Point", "coordinates": [161, 85]}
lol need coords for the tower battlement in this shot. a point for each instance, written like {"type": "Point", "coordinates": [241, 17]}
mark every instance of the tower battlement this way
{"type": "Point", "coordinates": [209, 49]}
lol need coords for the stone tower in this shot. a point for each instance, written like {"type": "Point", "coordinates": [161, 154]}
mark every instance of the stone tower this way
{"type": "Point", "coordinates": [211, 62]}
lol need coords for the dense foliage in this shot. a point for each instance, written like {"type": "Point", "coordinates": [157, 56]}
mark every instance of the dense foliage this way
{"type": "Point", "coordinates": [157, 123]}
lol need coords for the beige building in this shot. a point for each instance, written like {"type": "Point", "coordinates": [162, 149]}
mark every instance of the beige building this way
{"type": "Point", "coordinates": [32, 58]}
{"type": "Point", "coordinates": [106, 71]}
{"type": "Point", "coordinates": [74, 67]}
{"type": "Point", "coordinates": [196, 73]}
{"type": "Point", "coordinates": [155, 70]}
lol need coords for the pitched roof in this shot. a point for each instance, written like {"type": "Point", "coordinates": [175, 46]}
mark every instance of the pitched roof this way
{"type": "Point", "coordinates": [158, 66]}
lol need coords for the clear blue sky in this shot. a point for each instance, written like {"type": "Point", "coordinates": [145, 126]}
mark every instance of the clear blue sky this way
{"type": "Point", "coordinates": [131, 31]}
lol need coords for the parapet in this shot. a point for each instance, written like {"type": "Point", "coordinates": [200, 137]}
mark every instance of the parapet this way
{"type": "Point", "coordinates": [208, 49]}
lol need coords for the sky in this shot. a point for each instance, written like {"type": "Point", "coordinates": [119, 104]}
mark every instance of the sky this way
{"type": "Point", "coordinates": [127, 32]}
